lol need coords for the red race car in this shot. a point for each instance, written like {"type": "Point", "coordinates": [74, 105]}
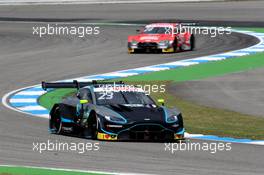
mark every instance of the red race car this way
{"type": "Point", "coordinates": [164, 37]}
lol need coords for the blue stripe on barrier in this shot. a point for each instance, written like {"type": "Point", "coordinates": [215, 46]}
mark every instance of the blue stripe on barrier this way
{"type": "Point", "coordinates": [225, 139]}
{"type": "Point", "coordinates": [38, 112]}
{"type": "Point", "coordinates": [257, 47]}
{"type": "Point", "coordinates": [24, 96]}
{"type": "Point", "coordinates": [198, 61]}
{"type": "Point", "coordinates": [34, 89]}
{"type": "Point", "coordinates": [248, 51]}
{"type": "Point", "coordinates": [223, 55]}
{"type": "Point", "coordinates": [168, 66]}
{"type": "Point", "coordinates": [109, 77]}
{"type": "Point", "coordinates": [97, 77]}
{"type": "Point", "coordinates": [21, 104]}
{"type": "Point", "coordinates": [242, 51]}
{"type": "Point", "coordinates": [136, 71]}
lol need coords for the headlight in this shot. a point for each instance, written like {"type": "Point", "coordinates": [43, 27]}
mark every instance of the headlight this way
{"type": "Point", "coordinates": [165, 43]}
{"type": "Point", "coordinates": [172, 119]}
{"type": "Point", "coordinates": [116, 119]}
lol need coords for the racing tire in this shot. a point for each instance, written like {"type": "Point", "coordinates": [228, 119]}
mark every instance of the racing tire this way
{"type": "Point", "coordinates": [192, 41]}
{"type": "Point", "coordinates": [129, 52]}
{"type": "Point", "coordinates": [175, 46]}
{"type": "Point", "coordinates": [55, 123]}
{"type": "Point", "coordinates": [90, 132]}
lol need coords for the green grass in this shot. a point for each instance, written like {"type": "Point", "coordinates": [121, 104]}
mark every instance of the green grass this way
{"type": "Point", "coordinates": [198, 118]}
{"type": "Point", "coordinates": [201, 71]}
{"type": "Point", "coordinates": [253, 29]}
{"type": "Point", "coordinates": [49, 99]}
{"type": "Point", "coordinates": [38, 171]}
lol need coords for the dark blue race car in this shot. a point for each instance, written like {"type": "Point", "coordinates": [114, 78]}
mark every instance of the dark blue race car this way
{"type": "Point", "coordinates": [113, 111]}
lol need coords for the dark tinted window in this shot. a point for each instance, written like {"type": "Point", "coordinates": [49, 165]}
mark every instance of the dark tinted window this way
{"type": "Point", "coordinates": [157, 30]}
{"type": "Point", "coordinates": [85, 94]}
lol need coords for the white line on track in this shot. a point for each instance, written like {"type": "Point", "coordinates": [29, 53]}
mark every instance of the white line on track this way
{"type": "Point", "coordinates": [152, 69]}
{"type": "Point", "coordinates": [23, 100]}
{"type": "Point", "coordinates": [120, 74]}
{"type": "Point", "coordinates": [5, 100]}
{"type": "Point", "coordinates": [31, 93]}
{"type": "Point", "coordinates": [235, 54]}
{"type": "Point", "coordinates": [179, 63]}
{"type": "Point", "coordinates": [210, 58]}
{"type": "Point", "coordinates": [31, 108]}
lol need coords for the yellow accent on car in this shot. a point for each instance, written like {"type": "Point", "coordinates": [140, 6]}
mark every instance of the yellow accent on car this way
{"type": "Point", "coordinates": [84, 101]}
{"type": "Point", "coordinates": [168, 50]}
{"type": "Point", "coordinates": [103, 136]}
{"type": "Point", "coordinates": [161, 100]}
{"type": "Point", "coordinates": [131, 50]}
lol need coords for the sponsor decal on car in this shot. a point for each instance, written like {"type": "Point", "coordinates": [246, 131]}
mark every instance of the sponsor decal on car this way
{"type": "Point", "coordinates": [103, 136]}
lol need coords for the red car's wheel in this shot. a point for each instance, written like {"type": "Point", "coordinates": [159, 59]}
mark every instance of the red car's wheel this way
{"type": "Point", "coordinates": [175, 46]}
{"type": "Point", "coordinates": [192, 42]}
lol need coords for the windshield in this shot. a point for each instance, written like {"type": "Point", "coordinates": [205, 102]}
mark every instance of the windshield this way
{"type": "Point", "coordinates": [157, 30]}
{"type": "Point", "coordinates": [105, 98]}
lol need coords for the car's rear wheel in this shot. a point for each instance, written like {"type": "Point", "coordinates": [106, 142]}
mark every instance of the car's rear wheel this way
{"type": "Point", "coordinates": [192, 42]}
{"type": "Point", "coordinates": [55, 123]}
{"type": "Point", "coordinates": [175, 46]}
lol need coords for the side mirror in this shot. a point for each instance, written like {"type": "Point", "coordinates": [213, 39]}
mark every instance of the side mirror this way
{"type": "Point", "coordinates": [84, 101]}
{"type": "Point", "coordinates": [161, 101]}
{"type": "Point", "coordinates": [138, 31]}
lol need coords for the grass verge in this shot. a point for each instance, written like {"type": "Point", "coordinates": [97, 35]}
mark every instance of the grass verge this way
{"type": "Point", "coordinates": [201, 71]}
{"type": "Point", "coordinates": [49, 99]}
{"type": "Point", "coordinates": [39, 171]}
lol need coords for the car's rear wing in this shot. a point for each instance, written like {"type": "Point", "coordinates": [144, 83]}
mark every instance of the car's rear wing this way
{"type": "Point", "coordinates": [74, 84]}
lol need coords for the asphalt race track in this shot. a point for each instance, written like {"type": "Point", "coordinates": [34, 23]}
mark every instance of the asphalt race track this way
{"type": "Point", "coordinates": [26, 60]}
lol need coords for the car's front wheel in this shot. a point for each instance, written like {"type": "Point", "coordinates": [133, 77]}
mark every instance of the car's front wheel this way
{"type": "Point", "coordinates": [91, 128]}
